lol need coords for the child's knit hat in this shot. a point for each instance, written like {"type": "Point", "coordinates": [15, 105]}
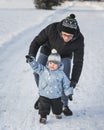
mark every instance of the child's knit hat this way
{"type": "Point", "coordinates": [54, 57]}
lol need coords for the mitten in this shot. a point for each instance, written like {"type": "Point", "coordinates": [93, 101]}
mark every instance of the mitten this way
{"type": "Point", "coordinates": [70, 97]}
{"type": "Point", "coordinates": [71, 94]}
{"type": "Point", "coordinates": [29, 58]}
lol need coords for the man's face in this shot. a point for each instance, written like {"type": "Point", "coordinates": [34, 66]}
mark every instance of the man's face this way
{"type": "Point", "coordinates": [66, 36]}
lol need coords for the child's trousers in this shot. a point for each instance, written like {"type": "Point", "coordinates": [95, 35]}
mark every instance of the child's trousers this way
{"type": "Point", "coordinates": [46, 104]}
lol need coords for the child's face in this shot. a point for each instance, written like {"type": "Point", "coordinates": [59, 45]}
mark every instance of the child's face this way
{"type": "Point", "coordinates": [52, 66]}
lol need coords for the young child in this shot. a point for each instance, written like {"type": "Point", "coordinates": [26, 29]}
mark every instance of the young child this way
{"type": "Point", "coordinates": [52, 83]}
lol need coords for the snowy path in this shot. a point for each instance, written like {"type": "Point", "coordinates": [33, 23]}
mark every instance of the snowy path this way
{"type": "Point", "coordinates": [17, 87]}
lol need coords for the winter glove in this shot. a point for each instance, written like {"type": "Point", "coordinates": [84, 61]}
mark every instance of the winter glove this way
{"type": "Point", "coordinates": [70, 97]}
{"type": "Point", "coordinates": [73, 84]}
{"type": "Point", "coordinates": [71, 94]}
{"type": "Point", "coordinates": [29, 58]}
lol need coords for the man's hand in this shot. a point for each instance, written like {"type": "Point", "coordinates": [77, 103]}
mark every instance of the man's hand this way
{"type": "Point", "coordinates": [70, 97]}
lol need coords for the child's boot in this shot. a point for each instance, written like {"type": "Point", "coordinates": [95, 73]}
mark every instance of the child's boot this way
{"type": "Point", "coordinates": [43, 120]}
{"type": "Point", "coordinates": [58, 116]}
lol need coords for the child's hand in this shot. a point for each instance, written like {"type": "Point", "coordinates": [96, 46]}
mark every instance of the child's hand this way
{"type": "Point", "coordinates": [29, 58]}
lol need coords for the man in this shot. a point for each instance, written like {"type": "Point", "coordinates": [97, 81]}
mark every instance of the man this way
{"type": "Point", "coordinates": [66, 38]}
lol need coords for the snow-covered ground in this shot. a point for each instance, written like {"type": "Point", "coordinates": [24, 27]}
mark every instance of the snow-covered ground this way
{"type": "Point", "coordinates": [14, 4]}
{"type": "Point", "coordinates": [19, 24]}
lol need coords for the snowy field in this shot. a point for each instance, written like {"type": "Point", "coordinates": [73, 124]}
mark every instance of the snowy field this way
{"type": "Point", "coordinates": [19, 24]}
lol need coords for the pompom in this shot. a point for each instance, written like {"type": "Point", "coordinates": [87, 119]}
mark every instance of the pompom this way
{"type": "Point", "coordinates": [72, 16]}
{"type": "Point", "coordinates": [53, 51]}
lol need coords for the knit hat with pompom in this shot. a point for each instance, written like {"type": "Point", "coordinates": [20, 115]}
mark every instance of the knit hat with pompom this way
{"type": "Point", "coordinates": [69, 25]}
{"type": "Point", "coordinates": [54, 57]}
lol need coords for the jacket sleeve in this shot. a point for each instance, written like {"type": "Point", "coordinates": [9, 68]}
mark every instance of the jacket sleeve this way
{"type": "Point", "coordinates": [78, 62]}
{"type": "Point", "coordinates": [66, 85]}
{"type": "Point", "coordinates": [39, 40]}
{"type": "Point", "coordinates": [37, 67]}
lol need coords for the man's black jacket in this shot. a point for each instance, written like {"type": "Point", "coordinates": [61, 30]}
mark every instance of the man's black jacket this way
{"type": "Point", "coordinates": [50, 38]}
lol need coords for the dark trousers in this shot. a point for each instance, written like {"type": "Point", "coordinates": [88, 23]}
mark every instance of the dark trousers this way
{"type": "Point", "coordinates": [46, 104]}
